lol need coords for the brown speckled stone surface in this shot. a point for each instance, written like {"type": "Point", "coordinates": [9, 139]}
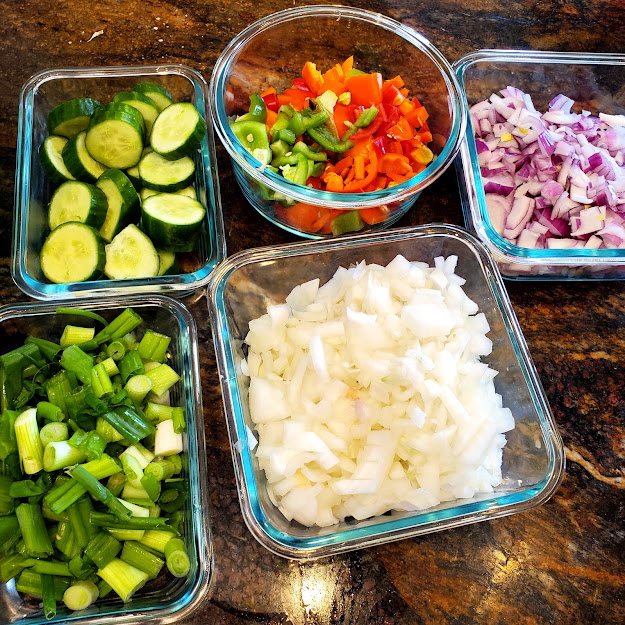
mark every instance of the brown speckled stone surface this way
{"type": "Point", "coordinates": [560, 563]}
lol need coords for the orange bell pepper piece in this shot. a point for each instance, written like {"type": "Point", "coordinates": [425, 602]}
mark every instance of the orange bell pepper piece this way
{"type": "Point", "coordinates": [347, 65]}
{"type": "Point", "coordinates": [332, 85]}
{"type": "Point", "coordinates": [312, 77]}
{"type": "Point", "coordinates": [304, 216]}
{"type": "Point", "coordinates": [394, 164]}
{"type": "Point", "coordinates": [335, 74]}
{"type": "Point", "coordinates": [359, 167]}
{"type": "Point", "coordinates": [271, 119]}
{"type": "Point", "coordinates": [401, 130]}
{"type": "Point", "coordinates": [343, 164]}
{"type": "Point", "coordinates": [270, 91]}
{"type": "Point", "coordinates": [334, 182]}
{"type": "Point", "coordinates": [372, 172]}
{"type": "Point", "coordinates": [366, 89]}
{"type": "Point", "coordinates": [374, 215]}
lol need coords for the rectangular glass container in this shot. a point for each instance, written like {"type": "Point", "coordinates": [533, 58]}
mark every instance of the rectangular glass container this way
{"type": "Point", "coordinates": [33, 190]}
{"type": "Point", "coordinates": [245, 284]}
{"type": "Point", "coordinates": [166, 599]}
{"type": "Point", "coordinates": [593, 81]}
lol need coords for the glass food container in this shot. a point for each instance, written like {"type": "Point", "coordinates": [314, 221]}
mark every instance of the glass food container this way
{"type": "Point", "coordinates": [595, 83]}
{"type": "Point", "coordinates": [245, 284]}
{"type": "Point", "coordinates": [33, 190]}
{"type": "Point", "coordinates": [273, 51]}
{"type": "Point", "coordinates": [166, 599]}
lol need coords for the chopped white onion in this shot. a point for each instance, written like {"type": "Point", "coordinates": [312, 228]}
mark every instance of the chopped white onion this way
{"type": "Point", "coordinates": [368, 394]}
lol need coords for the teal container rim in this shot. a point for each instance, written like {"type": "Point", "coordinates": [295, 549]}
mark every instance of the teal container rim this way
{"type": "Point", "coordinates": [344, 201]}
{"type": "Point", "coordinates": [293, 547]}
{"type": "Point", "coordinates": [469, 175]}
{"type": "Point", "coordinates": [197, 525]}
{"type": "Point", "coordinates": [206, 166]}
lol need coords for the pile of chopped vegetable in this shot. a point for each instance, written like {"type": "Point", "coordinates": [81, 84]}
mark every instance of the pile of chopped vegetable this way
{"type": "Point", "coordinates": [89, 408]}
{"type": "Point", "coordinates": [368, 394]}
{"type": "Point", "coordinates": [554, 180]}
{"type": "Point", "coordinates": [343, 131]}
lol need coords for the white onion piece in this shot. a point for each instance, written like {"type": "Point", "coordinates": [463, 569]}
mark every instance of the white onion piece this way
{"type": "Point", "coordinates": [368, 394]}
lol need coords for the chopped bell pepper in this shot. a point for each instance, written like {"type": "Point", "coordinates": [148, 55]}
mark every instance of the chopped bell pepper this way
{"type": "Point", "coordinates": [257, 112]}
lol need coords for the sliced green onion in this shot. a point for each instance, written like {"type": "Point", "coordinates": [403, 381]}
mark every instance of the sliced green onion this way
{"type": "Point", "coordinates": [107, 431]}
{"type": "Point", "coordinates": [98, 491]}
{"type": "Point", "coordinates": [30, 582]}
{"type": "Point", "coordinates": [33, 528]}
{"type": "Point", "coordinates": [163, 378]}
{"type": "Point", "coordinates": [125, 534]}
{"type": "Point", "coordinates": [28, 442]}
{"type": "Point", "coordinates": [124, 323]}
{"type": "Point", "coordinates": [11, 565]}
{"type": "Point", "coordinates": [49, 412]}
{"type": "Point", "coordinates": [74, 335]}
{"type": "Point", "coordinates": [123, 578]}
{"type": "Point", "coordinates": [167, 442]}
{"type": "Point", "coordinates": [137, 387]}
{"type": "Point", "coordinates": [156, 539]}
{"type": "Point", "coordinates": [60, 454]}
{"type": "Point", "coordinates": [100, 381]}
{"type": "Point", "coordinates": [153, 346]}
{"type": "Point", "coordinates": [102, 549]}
{"type": "Point", "coordinates": [51, 567]}
{"type": "Point", "coordinates": [75, 360]}
{"type": "Point", "coordinates": [53, 432]}
{"type": "Point", "coordinates": [82, 313]}
{"type": "Point", "coordinates": [177, 558]}
{"type": "Point", "coordinates": [139, 557]}
{"type": "Point", "coordinates": [7, 504]}
{"type": "Point", "coordinates": [116, 350]}
{"type": "Point", "coordinates": [110, 366]}
{"type": "Point", "coordinates": [80, 595]}
{"type": "Point", "coordinates": [116, 483]}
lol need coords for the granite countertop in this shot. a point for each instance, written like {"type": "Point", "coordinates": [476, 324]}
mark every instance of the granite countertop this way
{"type": "Point", "coordinates": [558, 563]}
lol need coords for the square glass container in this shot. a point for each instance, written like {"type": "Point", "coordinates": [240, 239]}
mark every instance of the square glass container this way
{"type": "Point", "coordinates": [595, 82]}
{"type": "Point", "coordinates": [33, 190]}
{"type": "Point", "coordinates": [244, 285]}
{"type": "Point", "coordinates": [166, 599]}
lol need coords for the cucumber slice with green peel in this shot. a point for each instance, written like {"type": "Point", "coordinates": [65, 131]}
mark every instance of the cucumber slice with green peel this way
{"type": "Point", "coordinates": [173, 222]}
{"type": "Point", "coordinates": [157, 93]}
{"type": "Point", "coordinates": [115, 135]}
{"type": "Point", "coordinates": [167, 263]}
{"type": "Point", "coordinates": [177, 131]}
{"type": "Point", "coordinates": [142, 103]}
{"type": "Point", "coordinates": [73, 252]}
{"type": "Point", "coordinates": [131, 254]}
{"type": "Point", "coordinates": [51, 156]}
{"type": "Point", "coordinates": [188, 191]}
{"type": "Point", "coordinates": [123, 202]}
{"type": "Point", "coordinates": [160, 174]}
{"type": "Point", "coordinates": [133, 172]}
{"type": "Point", "coordinates": [71, 117]}
{"type": "Point", "coordinates": [79, 162]}
{"type": "Point", "coordinates": [77, 201]}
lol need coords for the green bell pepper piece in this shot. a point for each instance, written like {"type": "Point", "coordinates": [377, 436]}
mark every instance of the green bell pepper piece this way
{"type": "Point", "coordinates": [254, 137]}
{"type": "Point", "coordinates": [257, 112]}
{"type": "Point", "coordinates": [350, 221]}
{"type": "Point", "coordinates": [310, 152]}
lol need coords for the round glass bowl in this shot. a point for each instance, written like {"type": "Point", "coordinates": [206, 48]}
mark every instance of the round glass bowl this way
{"type": "Point", "coordinates": [273, 51]}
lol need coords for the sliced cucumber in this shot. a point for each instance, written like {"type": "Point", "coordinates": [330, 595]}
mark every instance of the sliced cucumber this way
{"type": "Point", "coordinates": [177, 131]}
{"type": "Point", "coordinates": [133, 172]}
{"type": "Point", "coordinates": [188, 191]}
{"type": "Point", "coordinates": [123, 202]}
{"type": "Point", "coordinates": [131, 254]}
{"type": "Point", "coordinates": [157, 93]}
{"type": "Point", "coordinates": [115, 135]}
{"type": "Point", "coordinates": [73, 252]}
{"type": "Point", "coordinates": [167, 263]}
{"type": "Point", "coordinates": [173, 222]}
{"type": "Point", "coordinates": [77, 201]}
{"type": "Point", "coordinates": [79, 161]}
{"type": "Point", "coordinates": [160, 174]}
{"type": "Point", "coordinates": [51, 156]}
{"type": "Point", "coordinates": [71, 117]}
{"type": "Point", "coordinates": [142, 103]}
